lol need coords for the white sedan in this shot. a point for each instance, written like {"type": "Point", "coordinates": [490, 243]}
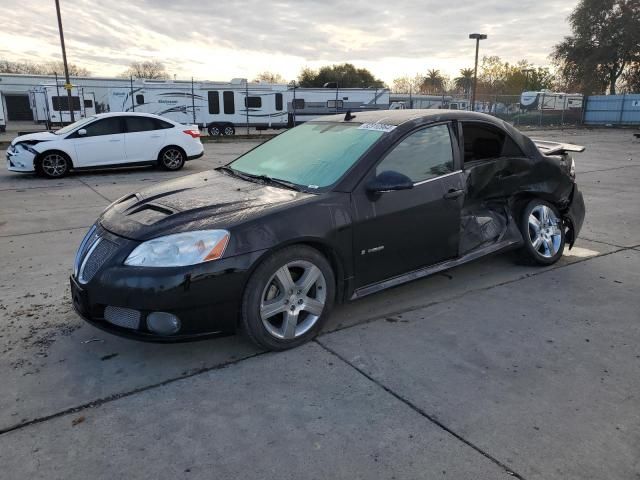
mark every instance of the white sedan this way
{"type": "Point", "coordinates": [106, 140]}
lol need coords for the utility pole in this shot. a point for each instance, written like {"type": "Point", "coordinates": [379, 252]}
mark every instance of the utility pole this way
{"type": "Point", "coordinates": [68, 85]}
{"type": "Point", "coordinates": [477, 37]}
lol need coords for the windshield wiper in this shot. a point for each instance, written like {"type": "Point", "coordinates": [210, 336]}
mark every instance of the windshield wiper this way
{"type": "Point", "coordinates": [262, 177]}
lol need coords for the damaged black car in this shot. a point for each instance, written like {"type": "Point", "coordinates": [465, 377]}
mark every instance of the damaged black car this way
{"type": "Point", "coordinates": [329, 211]}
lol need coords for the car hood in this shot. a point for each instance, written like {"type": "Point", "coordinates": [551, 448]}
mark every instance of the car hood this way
{"type": "Point", "coordinates": [205, 200]}
{"type": "Point", "coordinates": [35, 137]}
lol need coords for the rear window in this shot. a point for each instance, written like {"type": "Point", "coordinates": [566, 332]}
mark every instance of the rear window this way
{"type": "Point", "coordinates": [140, 124]}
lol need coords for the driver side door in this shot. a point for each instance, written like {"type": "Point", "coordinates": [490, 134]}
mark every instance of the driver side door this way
{"type": "Point", "coordinates": [103, 143]}
{"type": "Point", "coordinates": [403, 230]}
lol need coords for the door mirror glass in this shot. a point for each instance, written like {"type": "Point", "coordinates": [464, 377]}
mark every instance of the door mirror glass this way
{"type": "Point", "coordinates": [82, 132]}
{"type": "Point", "coordinates": [389, 180]}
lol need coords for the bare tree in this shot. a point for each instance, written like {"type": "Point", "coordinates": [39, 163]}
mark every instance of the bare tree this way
{"type": "Point", "coordinates": [48, 68]}
{"type": "Point", "coordinates": [407, 84]}
{"type": "Point", "coordinates": [269, 77]}
{"type": "Point", "coordinates": [150, 70]}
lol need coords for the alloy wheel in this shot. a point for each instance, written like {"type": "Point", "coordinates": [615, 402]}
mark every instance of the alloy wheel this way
{"type": "Point", "coordinates": [293, 299]}
{"type": "Point", "coordinates": [544, 231]}
{"type": "Point", "coordinates": [54, 165]}
{"type": "Point", "coordinates": [229, 131]}
{"type": "Point", "coordinates": [172, 158]}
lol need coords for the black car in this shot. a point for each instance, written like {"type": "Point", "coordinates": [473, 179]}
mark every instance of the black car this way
{"type": "Point", "coordinates": [329, 211]}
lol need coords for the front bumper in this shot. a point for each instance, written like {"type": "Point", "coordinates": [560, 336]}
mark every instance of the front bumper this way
{"type": "Point", "coordinates": [19, 159]}
{"type": "Point", "coordinates": [205, 297]}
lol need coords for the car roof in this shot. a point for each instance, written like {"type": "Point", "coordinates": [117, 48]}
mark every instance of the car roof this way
{"type": "Point", "coordinates": [398, 117]}
{"type": "Point", "coordinates": [130, 114]}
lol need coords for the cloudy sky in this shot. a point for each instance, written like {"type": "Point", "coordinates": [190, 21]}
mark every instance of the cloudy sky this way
{"type": "Point", "coordinates": [220, 40]}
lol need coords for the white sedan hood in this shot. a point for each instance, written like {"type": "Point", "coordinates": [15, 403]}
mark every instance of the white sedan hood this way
{"type": "Point", "coordinates": [37, 136]}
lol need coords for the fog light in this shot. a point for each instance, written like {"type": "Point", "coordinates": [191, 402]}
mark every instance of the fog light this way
{"type": "Point", "coordinates": [163, 323]}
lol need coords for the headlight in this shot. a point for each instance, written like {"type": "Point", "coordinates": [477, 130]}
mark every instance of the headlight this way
{"type": "Point", "coordinates": [180, 249]}
{"type": "Point", "coordinates": [572, 169]}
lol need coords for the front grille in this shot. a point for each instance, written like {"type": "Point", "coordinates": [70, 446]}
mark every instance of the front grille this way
{"type": "Point", "coordinates": [87, 242]}
{"type": "Point", "coordinates": [98, 253]}
{"type": "Point", "coordinates": [122, 317]}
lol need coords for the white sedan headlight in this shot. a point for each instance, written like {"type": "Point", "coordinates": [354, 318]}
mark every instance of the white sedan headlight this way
{"type": "Point", "coordinates": [180, 249]}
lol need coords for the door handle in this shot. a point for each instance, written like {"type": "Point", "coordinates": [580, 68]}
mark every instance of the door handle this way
{"type": "Point", "coordinates": [453, 194]}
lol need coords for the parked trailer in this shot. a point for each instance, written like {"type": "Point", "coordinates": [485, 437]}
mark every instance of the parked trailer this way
{"type": "Point", "coordinates": [418, 101]}
{"type": "Point", "coordinates": [3, 116]}
{"type": "Point", "coordinates": [219, 107]}
{"type": "Point", "coordinates": [548, 100]}
{"type": "Point", "coordinates": [308, 103]}
{"type": "Point", "coordinates": [50, 104]}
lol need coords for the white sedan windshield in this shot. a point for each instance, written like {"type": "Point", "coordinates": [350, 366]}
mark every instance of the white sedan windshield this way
{"type": "Point", "coordinates": [73, 126]}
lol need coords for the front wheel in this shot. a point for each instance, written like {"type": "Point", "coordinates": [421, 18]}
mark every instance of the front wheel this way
{"type": "Point", "coordinates": [288, 298]}
{"type": "Point", "coordinates": [543, 232]}
{"type": "Point", "coordinates": [54, 165]}
{"type": "Point", "coordinates": [172, 158]}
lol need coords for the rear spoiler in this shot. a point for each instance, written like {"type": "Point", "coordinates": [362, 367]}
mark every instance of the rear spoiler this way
{"type": "Point", "coordinates": [556, 148]}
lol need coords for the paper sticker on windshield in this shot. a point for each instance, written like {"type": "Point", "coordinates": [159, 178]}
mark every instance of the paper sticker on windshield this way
{"type": "Point", "coordinates": [378, 127]}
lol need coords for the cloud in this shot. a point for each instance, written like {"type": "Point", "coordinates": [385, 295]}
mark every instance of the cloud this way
{"type": "Point", "coordinates": [220, 40]}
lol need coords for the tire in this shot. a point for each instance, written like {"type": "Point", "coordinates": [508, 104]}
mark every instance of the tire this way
{"type": "Point", "coordinates": [288, 298]}
{"type": "Point", "coordinates": [214, 130]}
{"type": "Point", "coordinates": [228, 130]}
{"type": "Point", "coordinates": [543, 232]}
{"type": "Point", "coordinates": [172, 158]}
{"type": "Point", "coordinates": [53, 165]}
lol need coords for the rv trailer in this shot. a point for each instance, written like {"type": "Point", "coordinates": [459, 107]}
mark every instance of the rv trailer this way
{"type": "Point", "coordinates": [50, 104]}
{"type": "Point", "coordinates": [548, 100]}
{"type": "Point", "coordinates": [3, 116]}
{"type": "Point", "coordinates": [219, 107]}
{"type": "Point", "coordinates": [305, 104]}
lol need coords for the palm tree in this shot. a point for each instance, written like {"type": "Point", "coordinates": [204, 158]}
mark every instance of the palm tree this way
{"type": "Point", "coordinates": [433, 82]}
{"type": "Point", "coordinates": [465, 81]}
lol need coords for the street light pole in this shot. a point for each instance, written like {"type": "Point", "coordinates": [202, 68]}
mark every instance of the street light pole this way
{"type": "Point", "coordinates": [64, 61]}
{"type": "Point", "coordinates": [477, 37]}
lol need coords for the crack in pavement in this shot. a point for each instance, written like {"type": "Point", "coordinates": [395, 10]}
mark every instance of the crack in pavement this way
{"type": "Point", "coordinates": [94, 190]}
{"type": "Point", "coordinates": [421, 412]}
{"type": "Point", "coordinates": [608, 169]}
{"type": "Point", "coordinates": [45, 231]}
{"type": "Point", "coordinates": [116, 396]}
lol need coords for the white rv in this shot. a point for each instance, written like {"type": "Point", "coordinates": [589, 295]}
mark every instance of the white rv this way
{"type": "Point", "coordinates": [50, 104]}
{"type": "Point", "coordinates": [220, 107]}
{"type": "Point", "coordinates": [3, 117]}
{"type": "Point", "coordinates": [308, 103]}
{"type": "Point", "coordinates": [419, 100]}
{"type": "Point", "coordinates": [548, 100]}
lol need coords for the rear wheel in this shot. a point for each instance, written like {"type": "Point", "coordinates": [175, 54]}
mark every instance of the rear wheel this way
{"type": "Point", "coordinates": [214, 130]}
{"type": "Point", "coordinates": [54, 165]}
{"type": "Point", "coordinates": [288, 298]}
{"type": "Point", "coordinates": [228, 130]}
{"type": "Point", "coordinates": [543, 232]}
{"type": "Point", "coordinates": [172, 158]}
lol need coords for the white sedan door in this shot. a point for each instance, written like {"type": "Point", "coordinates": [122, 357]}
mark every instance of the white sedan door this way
{"type": "Point", "coordinates": [144, 138]}
{"type": "Point", "coordinates": [103, 143]}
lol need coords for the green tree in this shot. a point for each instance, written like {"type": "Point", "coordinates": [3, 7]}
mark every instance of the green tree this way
{"type": "Point", "coordinates": [605, 40]}
{"type": "Point", "coordinates": [345, 75]}
{"type": "Point", "coordinates": [631, 78]}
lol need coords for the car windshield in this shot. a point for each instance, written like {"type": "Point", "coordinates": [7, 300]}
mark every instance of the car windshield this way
{"type": "Point", "coordinates": [313, 155]}
{"type": "Point", "coordinates": [71, 127]}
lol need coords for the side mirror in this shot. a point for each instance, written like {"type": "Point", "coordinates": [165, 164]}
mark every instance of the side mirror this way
{"type": "Point", "coordinates": [389, 180]}
{"type": "Point", "coordinates": [82, 132]}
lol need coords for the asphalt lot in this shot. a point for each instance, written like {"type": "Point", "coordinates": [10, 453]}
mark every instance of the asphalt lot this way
{"type": "Point", "coordinates": [487, 371]}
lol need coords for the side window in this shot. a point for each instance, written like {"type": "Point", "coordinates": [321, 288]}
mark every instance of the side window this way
{"type": "Point", "coordinates": [140, 99]}
{"type": "Point", "coordinates": [334, 103]}
{"type": "Point", "coordinates": [278, 101]}
{"type": "Point", "coordinates": [214, 103]}
{"type": "Point", "coordinates": [88, 103]}
{"type": "Point", "coordinates": [161, 124]}
{"type": "Point", "coordinates": [229, 103]}
{"type": "Point", "coordinates": [485, 142]}
{"type": "Point", "coordinates": [61, 103]}
{"type": "Point", "coordinates": [422, 155]}
{"type": "Point", "coordinates": [140, 124]}
{"type": "Point", "coordinates": [107, 126]}
{"type": "Point", "coordinates": [253, 102]}
{"type": "Point", "coordinates": [298, 104]}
